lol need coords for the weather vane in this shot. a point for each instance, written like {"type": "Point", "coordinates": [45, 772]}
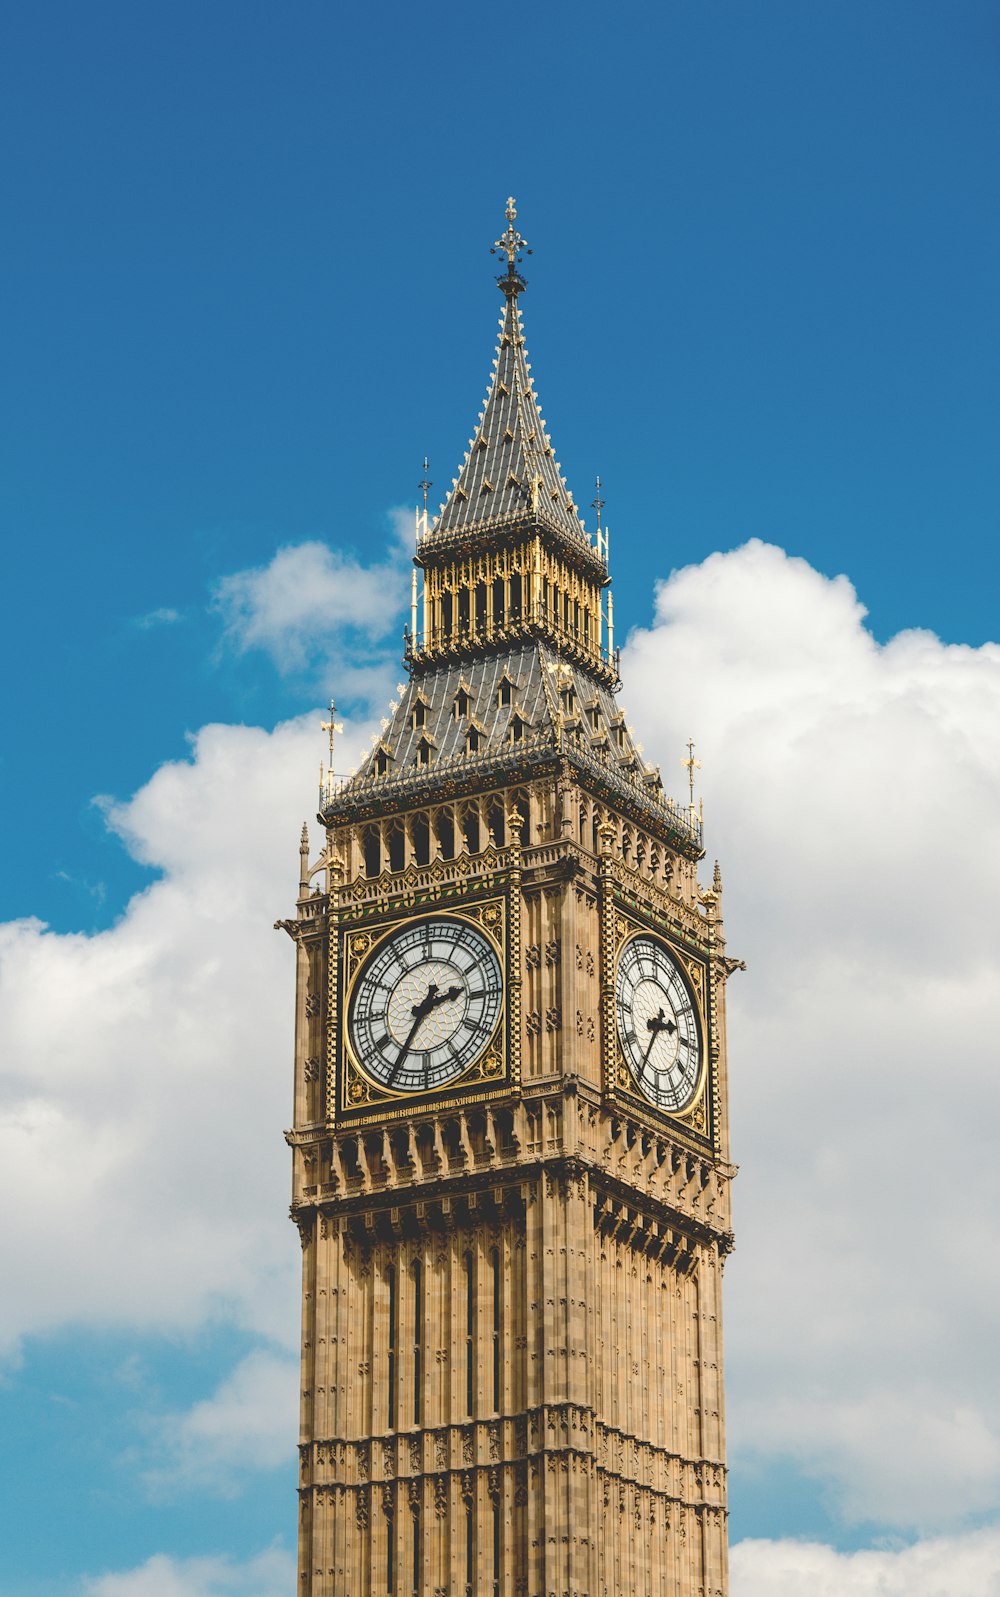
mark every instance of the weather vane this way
{"type": "Point", "coordinates": [691, 765]}
{"type": "Point", "coordinates": [511, 244]}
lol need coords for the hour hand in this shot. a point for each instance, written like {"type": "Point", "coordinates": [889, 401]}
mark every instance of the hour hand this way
{"type": "Point", "coordinates": [656, 1025]}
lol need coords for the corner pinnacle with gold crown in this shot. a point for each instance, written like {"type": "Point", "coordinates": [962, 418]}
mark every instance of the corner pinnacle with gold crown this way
{"type": "Point", "coordinates": [511, 244]}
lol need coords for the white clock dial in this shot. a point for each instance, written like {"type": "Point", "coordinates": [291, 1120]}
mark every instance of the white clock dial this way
{"type": "Point", "coordinates": [425, 1005]}
{"type": "Point", "coordinates": [657, 1024]}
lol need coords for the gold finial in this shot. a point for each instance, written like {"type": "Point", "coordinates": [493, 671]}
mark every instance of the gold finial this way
{"type": "Point", "coordinates": [332, 727]}
{"type": "Point", "coordinates": [691, 765]}
{"type": "Point", "coordinates": [511, 244]}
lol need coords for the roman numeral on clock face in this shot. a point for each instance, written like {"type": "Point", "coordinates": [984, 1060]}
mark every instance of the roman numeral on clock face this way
{"type": "Point", "coordinates": [657, 1025]}
{"type": "Point", "coordinates": [425, 1004]}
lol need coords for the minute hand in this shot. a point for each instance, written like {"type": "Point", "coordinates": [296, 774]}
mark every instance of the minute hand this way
{"type": "Point", "coordinates": [420, 1012]}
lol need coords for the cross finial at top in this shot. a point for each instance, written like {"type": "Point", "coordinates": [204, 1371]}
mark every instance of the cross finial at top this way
{"type": "Point", "coordinates": [511, 243]}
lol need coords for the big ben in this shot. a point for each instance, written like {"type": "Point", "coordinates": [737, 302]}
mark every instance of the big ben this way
{"type": "Point", "coordinates": [510, 1144]}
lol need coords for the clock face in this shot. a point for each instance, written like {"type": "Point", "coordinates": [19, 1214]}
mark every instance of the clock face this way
{"type": "Point", "coordinates": [425, 1005]}
{"type": "Point", "coordinates": [657, 1024]}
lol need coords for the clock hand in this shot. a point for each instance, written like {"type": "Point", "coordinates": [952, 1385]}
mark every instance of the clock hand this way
{"type": "Point", "coordinates": [656, 1025]}
{"type": "Point", "coordinates": [442, 998]}
{"type": "Point", "coordinates": [420, 1012]}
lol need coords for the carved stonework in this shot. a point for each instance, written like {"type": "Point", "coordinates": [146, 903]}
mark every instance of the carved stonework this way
{"type": "Point", "coordinates": [485, 1242]}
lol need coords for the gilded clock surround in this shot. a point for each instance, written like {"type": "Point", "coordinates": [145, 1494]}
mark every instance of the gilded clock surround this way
{"type": "Point", "coordinates": [511, 1290]}
{"type": "Point", "coordinates": [700, 1115]}
{"type": "Point", "coordinates": [492, 1068]}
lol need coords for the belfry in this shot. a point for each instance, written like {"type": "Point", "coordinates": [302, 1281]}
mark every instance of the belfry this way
{"type": "Point", "coordinates": [510, 1146]}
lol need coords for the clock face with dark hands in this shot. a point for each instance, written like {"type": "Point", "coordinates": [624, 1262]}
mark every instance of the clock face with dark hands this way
{"type": "Point", "coordinates": [657, 1024]}
{"type": "Point", "coordinates": [425, 1005]}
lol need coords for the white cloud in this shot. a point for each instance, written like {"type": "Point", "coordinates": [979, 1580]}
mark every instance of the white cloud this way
{"type": "Point", "coordinates": [249, 1423]}
{"type": "Point", "coordinates": [269, 1574]}
{"type": "Point", "coordinates": [300, 606]}
{"type": "Point", "coordinates": [146, 1070]}
{"type": "Point", "coordinates": [164, 616]}
{"type": "Point", "coordinates": [957, 1566]}
{"type": "Point", "coordinates": [851, 788]}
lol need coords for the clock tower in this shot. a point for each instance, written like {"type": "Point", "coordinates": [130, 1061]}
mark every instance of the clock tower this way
{"type": "Point", "coordinates": [510, 1145]}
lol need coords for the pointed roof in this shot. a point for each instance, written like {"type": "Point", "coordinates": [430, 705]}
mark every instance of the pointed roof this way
{"type": "Point", "coordinates": [510, 473]}
{"type": "Point", "coordinates": [554, 712]}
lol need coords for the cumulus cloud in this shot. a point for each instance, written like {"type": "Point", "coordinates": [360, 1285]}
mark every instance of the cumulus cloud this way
{"type": "Point", "coordinates": [146, 1070]}
{"type": "Point", "coordinates": [249, 1423]}
{"type": "Point", "coordinates": [269, 1574]}
{"type": "Point", "coordinates": [955, 1566]}
{"type": "Point", "coordinates": [850, 787]}
{"type": "Point", "coordinates": [310, 600]}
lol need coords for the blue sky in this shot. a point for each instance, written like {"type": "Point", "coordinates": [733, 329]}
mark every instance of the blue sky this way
{"type": "Point", "coordinates": [246, 287]}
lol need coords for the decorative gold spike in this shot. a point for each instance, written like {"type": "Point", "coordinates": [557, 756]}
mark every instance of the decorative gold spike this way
{"type": "Point", "coordinates": [332, 727]}
{"type": "Point", "coordinates": [691, 765]}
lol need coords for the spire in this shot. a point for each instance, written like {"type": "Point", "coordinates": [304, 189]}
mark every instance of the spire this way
{"type": "Point", "coordinates": [510, 474]}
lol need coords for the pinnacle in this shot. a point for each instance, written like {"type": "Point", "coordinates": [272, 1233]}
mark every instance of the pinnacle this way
{"type": "Point", "coordinates": [509, 471]}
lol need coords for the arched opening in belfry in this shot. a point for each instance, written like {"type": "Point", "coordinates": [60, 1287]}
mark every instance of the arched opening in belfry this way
{"type": "Point", "coordinates": [470, 827]}
{"type": "Point", "coordinates": [397, 846]}
{"type": "Point", "coordinates": [496, 822]}
{"type": "Point", "coordinates": [520, 804]}
{"type": "Point", "coordinates": [420, 833]}
{"type": "Point", "coordinates": [444, 830]}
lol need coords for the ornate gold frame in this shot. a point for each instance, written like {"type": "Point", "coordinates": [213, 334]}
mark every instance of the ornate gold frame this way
{"type": "Point", "coordinates": [351, 1093]}
{"type": "Point", "coordinates": [699, 1118]}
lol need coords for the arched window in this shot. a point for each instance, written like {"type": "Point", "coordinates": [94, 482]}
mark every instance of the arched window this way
{"type": "Point", "coordinates": [421, 834]}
